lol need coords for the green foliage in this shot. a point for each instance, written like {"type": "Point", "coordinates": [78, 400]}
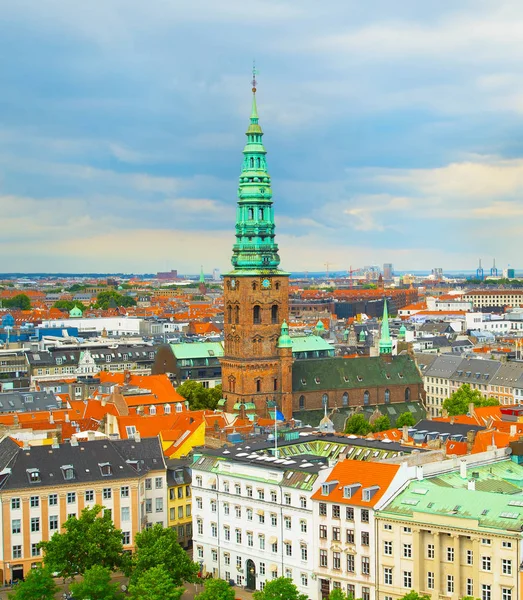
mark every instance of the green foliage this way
{"type": "Point", "coordinates": [159, 547]}
{"type": "Point", "coordinates": [68, 305]}
{"type": "Point", "coordinates": [358, 425]}
{"type": "Point", "coordinates": [38, 585]}
{"type": "Point", "coordinates": [279, 589]}
{"type": "Point", "coordinates": [20, 301]}
{"type": "Point", "coordinates": [110, 298]}
{"type": "Point", "coordinates": [381, 423]}
{"type": "Point", "coordinates": [458, 403]}
{"type": "Point", "coordinates": [96, 585]}
{"type": "Point", "coordinates": [77, 287]}
{"type": "Point", "coordinates": [155, 584]}
{"type": "Point", "coordinates": [405, 418]}
{"type": "Point", "coordinates": [338, 594]}
{"type": "Point", "coordinates": [89, 540]}
{"type": "Point", "coordinates": [216, 589]}
{"type": "Point", "coordinates": [199, 397]}
{"type": "Point", "coordinates": [415, 596]}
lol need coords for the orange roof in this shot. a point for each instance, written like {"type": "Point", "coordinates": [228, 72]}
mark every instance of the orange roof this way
{"type": "Point", "coordinates": [459, 448]}
{"type": "Point", "coordinates": [367, 474]}
{"type": "Point", "coordinates": [159, 385]}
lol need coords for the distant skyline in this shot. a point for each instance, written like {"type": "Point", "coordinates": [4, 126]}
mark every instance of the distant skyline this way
{"type": "Point", "coordinates": [394, 132]}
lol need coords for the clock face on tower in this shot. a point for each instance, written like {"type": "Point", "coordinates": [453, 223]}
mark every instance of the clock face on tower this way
{"type": "Point", "coordinates": [266, 284]}
{"type": "Point", "coordinates": [233, 283]}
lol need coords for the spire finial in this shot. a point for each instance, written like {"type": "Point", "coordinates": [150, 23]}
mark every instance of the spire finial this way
{"type": "Point", "coordinates": [254, 72]}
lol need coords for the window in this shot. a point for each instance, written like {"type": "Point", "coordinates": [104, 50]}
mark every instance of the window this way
{"type": "Point", "coordinates": [470, 587]}
{"type": "Point", "coordinates": [304, 580]}
{"type": "Point", "coordinates": [35, 550]}
{"type": "Point", "coordinates": [485, 563]}
{"type": "Point", "coordinates": [430, 580]}
{"type": "Point", "coordinates": [470, 557]}
{"type": "Point", "coordinates": [237, 489]}
{"type": "Point", "coordinates": [239, 562]}
{"type": "Point", "coordinates": [303, 502]}
{"type": "Point", "coordinates": [238, 511]}
{"type": "Point", "coordinates": [387, 548]}
{"type": "Point", "coordinates": [249, 514]}
{"type": "Point", "coordinates": [198, 480]}
{"type": "Point", "coordinates": [227, 533]}
{"type": "Point", "coordinates": [250, 539]}
{"type": "Point", "coordinates": [89, 495]}
{"type": "Point", "coordinates": [335, 511]}
{"type": "Point", "coordinates": [450, 554]}
{"type": "Point", "coordinates": [430, 551]}
{"type": "Point", "coordinates": [274, 496]}
{"type": "Point", "coordinates": [323, 558]}
{"type": "Point", "coordinates": [349, 536]}
{"type": "Point", "coordinates": [505, 544]}
{"type": "Point", "coordinates": [256, 314]}
{"type": "Point", "coordinates": [262, 568]}
{"type": "Point", "coordinates": [407, 579]}
{"type": "Point", "coordinates": [287, 521]}
{"type": "Point", "coordinates": [213, 506]}
{"type": "Point", "coordinates": [506, 593]}
{"type": "Point", "coordinates": [71, 497]}
{"type": "Point", "coordinates": [199, 551]}
{"type": "Point", "coordinates": [506, 566]}
{"type": "Point", "coordinates": [107, 493]}
{"type": "Point", "coordinates": [364, 538]}
{"type": "Point", "coordinates": [261, 518]}
{"type": "Point", "coordinates": [16, 526]}
{"type": "Point", "coordinates": [387, 526]}
{"type": "Point", "coordinates": [17, 551]}
{"type": "Point", "coordinates": [227, 558]}
{"type": "Point", "coordinates": [407, 550]}
{"type": "Point", "coordinates": [274, 547]}
{"type": "Point", "coordinates": [53, 499]}
{"type": "Point", "coordinates": [366, 397]}
{"type": "Point", "coordinates": [350, 563]}
{"type": "Point", "coordinates": [349, 513]}
{"type": "Point", "coordinates": [53, 523]}
{"type": "Point", "coordinates": [387, 576]}
{"type": "Point", "coordinates": [323, 509]}
{"type": "Point", "coordinates": [303, 526]}
{"type": "Point", "coordinates": [35, 524]}
{"type": "Point", "coordinates": [105, 469]}
{"type": "Point", "coordinates": [199, 527]}
{"type": "Point", "coordinates": [288, 549]}
{"type": "Point", "coordinates": [325, 400]}
{"type": "Point", "coordinates": [364, 515]}
{"type": "Point", "coordinates": [261, 541]}
{"type": "Point", "coordinates": [336, 561]}
{"type": "Point", "coordinates": [303, 551]}
{"type": "Point", "coordinates": [365, 565]}
{"type": "Point", "coordinates": [124, 491]}
{"type": "Point", "coordinates": [274, 519]}
{"type": "Point", "coordinates": [125, 513]}
{"type": "Point", "coordinates": [274, 314]}
{"type": "Point", "coordinates": [486, 592]}
{"type": "Point", "coordinates": [158, 483]}
{"type": "Point", "coordinates": [450, 584]}
{"type": "Point", "coordinates": [486, 541]}
{"type": "Point", "coordinates": [238, 536]}
{"type": "Point", "coordinates": [323, 532]}
{"type": "Point", "coordinates": [15, 503]}
{"type": "Point", "coordinates": [34, 501]}
{"type": "Point", "coordinates": [336, 534]}
{"type": "Point", "coordinates": [199, 504]}
{"type": "Point", "coordinates": [301, 402]}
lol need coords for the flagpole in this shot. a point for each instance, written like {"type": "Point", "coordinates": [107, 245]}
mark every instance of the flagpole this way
{"type": "Point", "coordinates": [276, 431]}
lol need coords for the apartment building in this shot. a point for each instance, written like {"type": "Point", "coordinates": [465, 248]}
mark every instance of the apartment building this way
{"type": "Point", "coordinates": [344, 525]}
{"type": "Point", "coordinates": [179, 500]}
{"type": "Point", "coordinates": [252, 516]}
{"type": "Point", "coordinates": [453, 534]}
{"type": "Point", "coordinates": [41, 486]}
{"type": "Point", "coordinates": [436, 381]}
{"type": "Point", "coordinates": [495, 298]}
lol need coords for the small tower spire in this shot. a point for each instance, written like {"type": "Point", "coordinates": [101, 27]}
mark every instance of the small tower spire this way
{"type": "Point", "coordinates": [254, 112]}
{"type": "Point", "coordinates": [201, 286]}
{"type": "Point", "coordinates": [385, 341]}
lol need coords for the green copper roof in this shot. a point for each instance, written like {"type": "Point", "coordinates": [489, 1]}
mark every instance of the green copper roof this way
{"type": "Point", "coordinates": [202, 276]}
{"type": "Point", "coordinates": [197, 350]}
{"type": "Point", "coordinates": [309, 343]}
{"type": "Point", "coordinates": [284, 341]}
{"type": "Point", "coordinates": [385, 341]}
{"type": "Point", "coordinates": [320, 326]}
{"type": "Point", "coordinates": [75, 312]}
{"type": "Point", "coordinates": [255, 249]}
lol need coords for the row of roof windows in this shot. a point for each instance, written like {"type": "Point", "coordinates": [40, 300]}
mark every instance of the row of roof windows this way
{"type": "Point", "coordinates": [69, 473]}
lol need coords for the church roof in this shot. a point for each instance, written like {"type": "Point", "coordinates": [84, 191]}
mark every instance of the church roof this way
{"type": "Point", "coordinates": [308, 343]}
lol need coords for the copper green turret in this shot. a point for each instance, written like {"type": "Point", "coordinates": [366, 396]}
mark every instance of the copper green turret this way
{"type": "Point", "coordinates": [385, 340]}
{"type": "Point", "coordinates": [255, 251]}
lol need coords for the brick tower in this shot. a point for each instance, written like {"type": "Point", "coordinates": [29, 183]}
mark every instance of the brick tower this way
{"type": "Point", "coordinates": [256, 368]}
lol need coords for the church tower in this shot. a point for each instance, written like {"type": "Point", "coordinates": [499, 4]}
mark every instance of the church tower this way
{"type": "Point", "coordinates": [255, 369]}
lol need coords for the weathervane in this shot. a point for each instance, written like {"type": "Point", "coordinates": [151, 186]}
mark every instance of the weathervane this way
{"type": "Point", "coordinates": [254, 82]}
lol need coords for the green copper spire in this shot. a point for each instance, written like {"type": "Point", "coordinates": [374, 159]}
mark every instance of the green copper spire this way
{"type": "Point", "coordinates": [202, 276]}
{"type": "Point", "coordinates": [385, 341]}
{"type": "Point", "coordinates": [284, 341]}
{"type": "Point", "coordinates": [255, 250]}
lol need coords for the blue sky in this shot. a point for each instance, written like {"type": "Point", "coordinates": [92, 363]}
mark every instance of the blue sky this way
{"type": "Point", "coordinates": [394, 131]}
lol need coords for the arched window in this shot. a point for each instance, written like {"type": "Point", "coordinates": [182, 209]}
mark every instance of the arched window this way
{"type": "Point", "coordinates": [237, 314]}
{"type": "Point", "coordinates": [407, 395]}
{"type": "Point", "coordinates": [232, 384]}
{"type": "Point", "coordinates": [325, 400]}
{"type": "Point", "coordinates": [251, 214]}
{"type": "Point", "coordinates": [387, 396]}
{"type": "Point", "coordinates": [301, 402]}
{"type": "Point", "coordinates": [366, 397]}
{"type": "Point", "coordinates": [277, 285]}
{"type": "Point", "coordinates": [258, 163]}
{"type": "Point", "coordinates": [274, 314]}
{"type": "Point", "coordinates": [345, 399]}
{"type": "Point", "coordinates": [260, 214]}
{"type": "Point", "coordinates": [258, 385]}
{"type": "Point", "coordinates": [254, 285]}
{"type": "Point", "coordinates": [256, 314]}
{"type": "Point", "coordinates": [252, 162]}
{"type": "Point", "coordinates": [229, 313]}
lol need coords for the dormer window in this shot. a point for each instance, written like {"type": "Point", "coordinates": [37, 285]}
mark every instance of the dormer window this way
{"type": "Point", "coordinates": [152, 409]}
{"type": "Point", "coordinates": [326, 488]}
{"type": "Point", "coordinates": [67, 472]}
{"type": "Point", "coordinates": [34, 475]}
{"type": "Point", "coordinates": [359, 378]}
{"type": "Point", "coordinates": [317, 380]}
{"type": "Point", "coordinates": [369, 492]}
{"type": "Point", "coordinates": [105, 469]}
{"type": "Point", "coordinates": [303, 381]}
{"type": "Point", "coordinates": [167, 409]}
{"type": "Point", "coordinates": [350, 490]}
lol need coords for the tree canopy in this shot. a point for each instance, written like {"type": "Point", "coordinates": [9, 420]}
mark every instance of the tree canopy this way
{"type": "Point", "coordinates": [92, 539]}
{"type": "Point", "coordinates": [159, 547]}
{"type": "Point", "coordinates": [216, 589]}
{"type": "Point", "coordinates": [20, 301]}
{"type": "Point", "coordinates": [200, 398]}
{"type": "Point", "coordinates": [406, 418]}
{"type": "Point", "coordinates": [96, 585]}
{"type": "Point", "coordinates": [68, 305]}
{"type": "Point", "coordinates": [155, 584]}
{"type": "Point", "coordinates": [38, 585]}
{"type": "Point", "coordinates": [105, 300]}
{"type": "Point", "coordinates": [338, 594]}
{"type": "Point", "coordinates": [381, 423]}
{"type": "Point", "coordinates": [415, 596]}
{"type": "Point", "coordinates": [358, 425]}
{"type": "Point", "coordinates": [458, 402]}
{"type": "Point", "coordinates": [279, 589]}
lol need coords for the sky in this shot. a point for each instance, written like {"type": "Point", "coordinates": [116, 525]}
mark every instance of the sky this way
{"type": "Point", "coordinates": [394, 132]}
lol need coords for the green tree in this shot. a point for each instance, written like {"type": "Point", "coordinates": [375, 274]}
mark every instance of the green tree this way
{"type": "Point", "coordinates": [38, 585]}
{"type": "Point", "coordinates": [96, 585]}
{"type": "Point", "coordinates": [112, 298]}
{"type": "Point", "coordinates": [68, 305]}
{"type": "Point", "coordinates": [216, 589]}
{"type": "Point", "coordinates": [405, 418]}
{"type": "Point", "coordinates": [381, 423]}
{"type": "Point", "coordinates": [337, 594]}
{"type": "Point", "coordinates": [159, 547]}
{"type": "Point", "coordinates": [358, 425]}
{"type": "Point", "coordinates": [20, 301]}
{"type": "Point", "coordinates": [279, 589]}
{"type": "Point", "coordinates": [155, 584]}
{"type": "Point", "coordinates": [458, 402]}
{"type": "Point", "coordinates": [415, 596]}
{"type": "Point", "coordinates": [200, 398]}
{"type": "Point", "coordinates": [92, 539]}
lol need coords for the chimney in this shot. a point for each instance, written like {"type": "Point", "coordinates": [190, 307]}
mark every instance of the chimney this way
{"type": "Point", "coordinates": [90, 436]}
{"type": "Point", "coordinates": [67, 417]}
{"type": "Point", "coordinates": [471, 484]}
{"type": "Point", "coordinates": [419, 472]}
{"type": "Point", "coordinates": [471, 409]}
{"type": "Point", "coordinates": [513, 430]}
{"type": "Point", "coordinates": [55, 442]}
{"type": "Point", "coordinates": [74, 440]}
{"type": "Point", "coordinates": [405, 433]}
{"type": "Point", "coordinates": [137, 437]}
{"type": "Point", "coordinates": [463, 469]}
{"type": "Point", "coordinates": [51, 418]}
{"type": "Point", "coordinates": [452, 420]}
{"type": "Point", "coordinates": [26, 445]}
